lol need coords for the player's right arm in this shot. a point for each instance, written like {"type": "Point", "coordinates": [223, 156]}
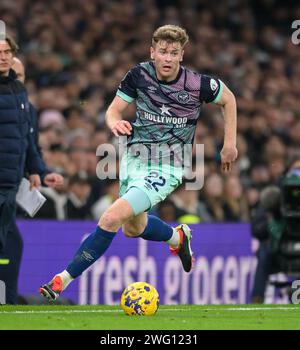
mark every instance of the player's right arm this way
{"type": "Point", "coordinates": [114, 120]}
{"type": "Point", "coordinates": [126, 94]}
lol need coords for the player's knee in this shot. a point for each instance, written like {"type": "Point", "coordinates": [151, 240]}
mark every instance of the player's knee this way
{"type": "Point", "coordinates": [130, 230]}
{"type": "Point", "coordinates": [110, 221]}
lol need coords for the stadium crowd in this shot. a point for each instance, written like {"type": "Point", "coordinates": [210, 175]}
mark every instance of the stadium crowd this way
{"type": "Point", "coordinates": [76, 52]}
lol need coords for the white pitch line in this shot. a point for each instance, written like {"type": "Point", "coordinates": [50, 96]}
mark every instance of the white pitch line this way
{"type": "Point", "coordinates": [57, 311]}
{"type": "Point", "coordinates": [160, 310]}
{"type": "Point", "coordinates": [254, 308]}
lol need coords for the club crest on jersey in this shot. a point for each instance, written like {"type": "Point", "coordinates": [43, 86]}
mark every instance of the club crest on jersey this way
{"type": "Point", "coordinates": [183, 96]}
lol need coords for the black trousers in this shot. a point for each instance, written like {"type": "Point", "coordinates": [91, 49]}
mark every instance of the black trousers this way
{"type": "Point", "coordinates": [267, 264]}
{"type": "Point", "coordinates": [11, 245]}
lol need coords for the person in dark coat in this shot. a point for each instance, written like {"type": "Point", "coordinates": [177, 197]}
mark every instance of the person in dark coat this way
{"type": "Point", "coordinates": [17, 152]}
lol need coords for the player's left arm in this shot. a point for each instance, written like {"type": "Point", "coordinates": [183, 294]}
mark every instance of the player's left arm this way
{"type": "Point", "coordinates": [229, 151]}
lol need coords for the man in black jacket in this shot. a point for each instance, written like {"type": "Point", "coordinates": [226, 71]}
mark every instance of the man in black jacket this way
{"type": "Point", "coordinates": [268, 225]}
{"type": "Point", "coordinates": [263, 216]}
{"type": "Point", "coordinates": [17, 151]}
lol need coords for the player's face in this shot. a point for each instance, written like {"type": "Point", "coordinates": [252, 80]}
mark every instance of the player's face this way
{"type": "Point", "coordinates": [6, 57]}
{"type": "Point", "coordinates": [167, 57]}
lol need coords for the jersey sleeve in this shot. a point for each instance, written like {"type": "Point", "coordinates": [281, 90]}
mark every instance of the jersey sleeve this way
{"type": "Point", "coordinates": [127, 88]}
{"type": "Point", "coordinates": [211, 89]}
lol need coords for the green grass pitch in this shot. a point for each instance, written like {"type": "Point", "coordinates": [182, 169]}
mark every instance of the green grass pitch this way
{"type": "Point", "coordinates": [172, 317]}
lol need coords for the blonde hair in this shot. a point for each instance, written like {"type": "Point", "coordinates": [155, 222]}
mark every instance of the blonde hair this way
{"type": "Point", "coordinates": [170, 33]}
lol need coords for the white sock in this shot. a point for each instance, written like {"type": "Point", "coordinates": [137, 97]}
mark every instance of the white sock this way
{"type": "Point", "coordinates": [66, 278]}
{"type": "Point", "coordinates": [175, 239]}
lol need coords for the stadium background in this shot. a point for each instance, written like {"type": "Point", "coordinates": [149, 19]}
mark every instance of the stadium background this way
{"type": "Point", "coordinates": [75, 54]}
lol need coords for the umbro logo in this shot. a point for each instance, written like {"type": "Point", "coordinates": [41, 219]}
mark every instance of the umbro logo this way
{"type": "Point", "coordinates": [87, 256]}
{"type": "Point", "coordinates": [152, 88]}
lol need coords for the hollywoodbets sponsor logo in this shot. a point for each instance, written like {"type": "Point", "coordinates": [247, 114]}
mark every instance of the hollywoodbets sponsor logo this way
{"type": "Point", "coordinates": [179, 122]}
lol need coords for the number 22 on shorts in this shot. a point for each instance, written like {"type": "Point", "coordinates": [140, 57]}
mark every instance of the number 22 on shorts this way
{"type": "Point", "coordinates": [155, 180]}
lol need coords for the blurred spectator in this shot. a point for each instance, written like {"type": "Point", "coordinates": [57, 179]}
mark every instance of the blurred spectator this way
{"type": "Point", "coordinates": [167, 211]}
{"type": "Point", "coordinates": [112, 193]}
{"type": "Point", "coordinates": [51, 118]}
{"type": "Point", "coordinates": [78, 205]}
{"type": "Point", "coordinates": [243, 162]}
{"type": "Point", "coordinates": [54, 207]}
{"type": "Point", "coordinates": [213, 197]}
{"type": "Point", "coordinates": [74, 117]}
{"type": "Point", "coordinates": [189, 204]}
{"type": "Point", "coordinates": [235, 202]}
